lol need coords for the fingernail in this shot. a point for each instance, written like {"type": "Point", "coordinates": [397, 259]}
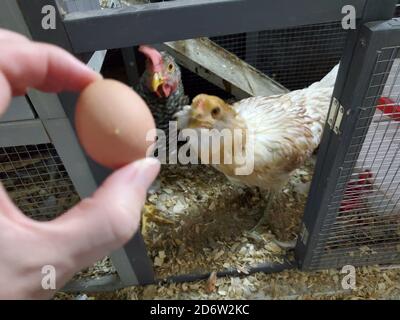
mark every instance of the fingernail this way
{"type": "Point", "coordinates": [146, 171]}
{"type": "Point", "coordinates": [97, 75]}
{"type": "Point", "coordinates": [94, 73]}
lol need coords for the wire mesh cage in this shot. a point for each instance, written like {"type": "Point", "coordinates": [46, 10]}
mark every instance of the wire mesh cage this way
{"type": "Point", "coordinates": [362, 223]}
{"type": "Point", "coordinates": [366, 228]}
{"type": "Point", "coordinates": [36, 180]}
{"type": "Point", "coordinates": [294, 57]}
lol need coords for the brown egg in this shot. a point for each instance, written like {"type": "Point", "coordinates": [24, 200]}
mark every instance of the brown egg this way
{"type": "Point", "coordinates": [112, 123]}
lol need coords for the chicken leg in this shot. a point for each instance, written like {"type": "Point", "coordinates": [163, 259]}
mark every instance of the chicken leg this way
{"type": "Point", "coordinates": [265, 211]}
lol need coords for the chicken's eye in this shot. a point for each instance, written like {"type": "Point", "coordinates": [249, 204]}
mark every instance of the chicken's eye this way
{"type": "Point", "coordinates": [170, 67]}
{"type": "Point", "coordinates": [215, 112]}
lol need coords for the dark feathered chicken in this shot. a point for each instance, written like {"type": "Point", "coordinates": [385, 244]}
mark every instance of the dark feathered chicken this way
{"type": "Point", "coordinates": [161, 86]}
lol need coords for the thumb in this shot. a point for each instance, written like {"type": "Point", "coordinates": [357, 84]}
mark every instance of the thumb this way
{"type": "Point", "coordinates": [7, 208]}
{"type": "Point", "coordinates": [108, 219]}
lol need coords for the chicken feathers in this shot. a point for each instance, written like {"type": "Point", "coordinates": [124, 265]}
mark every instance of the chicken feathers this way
{"type": "Point", "coordinates": [285, 129]}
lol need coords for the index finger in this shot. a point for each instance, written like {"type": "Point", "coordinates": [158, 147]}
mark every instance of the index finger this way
{"type": "Point", "coordinates": [42, 66]}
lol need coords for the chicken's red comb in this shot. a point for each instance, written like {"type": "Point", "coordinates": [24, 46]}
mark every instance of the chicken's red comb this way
{"type": "Point", "coordinates": [201, 104]}
{"type": "Point", "coordinates": [153, 55]}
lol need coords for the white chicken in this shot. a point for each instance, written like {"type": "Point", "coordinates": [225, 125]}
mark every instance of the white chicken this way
{"type": "Point", "coordinates": [286, 129]}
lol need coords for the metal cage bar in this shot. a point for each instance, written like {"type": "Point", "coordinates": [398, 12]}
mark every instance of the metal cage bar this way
{"type": "Point", "coordinates": [176, 20]}
{"type": "Point", "coordinates": [78, 31]}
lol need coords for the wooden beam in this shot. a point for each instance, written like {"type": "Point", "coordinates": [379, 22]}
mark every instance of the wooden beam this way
{"type": "Point", "coordinates": [222, 68]}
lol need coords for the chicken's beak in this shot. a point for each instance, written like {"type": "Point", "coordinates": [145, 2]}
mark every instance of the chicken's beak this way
{"type": "Point", "coordinates": [193, 124]}
{"type": "Point", "coordinates": [197, 123]}
{"type": "Point", "coordinates": [156, 81]}
{"type": "Point", "coordinates": [198, 120]}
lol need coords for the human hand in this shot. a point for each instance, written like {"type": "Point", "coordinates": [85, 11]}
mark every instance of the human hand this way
{"type": "Point", "coordinates": [90, 230]}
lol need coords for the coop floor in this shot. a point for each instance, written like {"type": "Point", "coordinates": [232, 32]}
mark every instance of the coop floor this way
{"type": "Point", "coordinates": [371, 283]}
{"type": "Point", "coordinates": [198, 222]}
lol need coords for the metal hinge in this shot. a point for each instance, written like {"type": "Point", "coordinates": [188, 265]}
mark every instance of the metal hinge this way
{"type": "Point", "coordinates": [335, 116]}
